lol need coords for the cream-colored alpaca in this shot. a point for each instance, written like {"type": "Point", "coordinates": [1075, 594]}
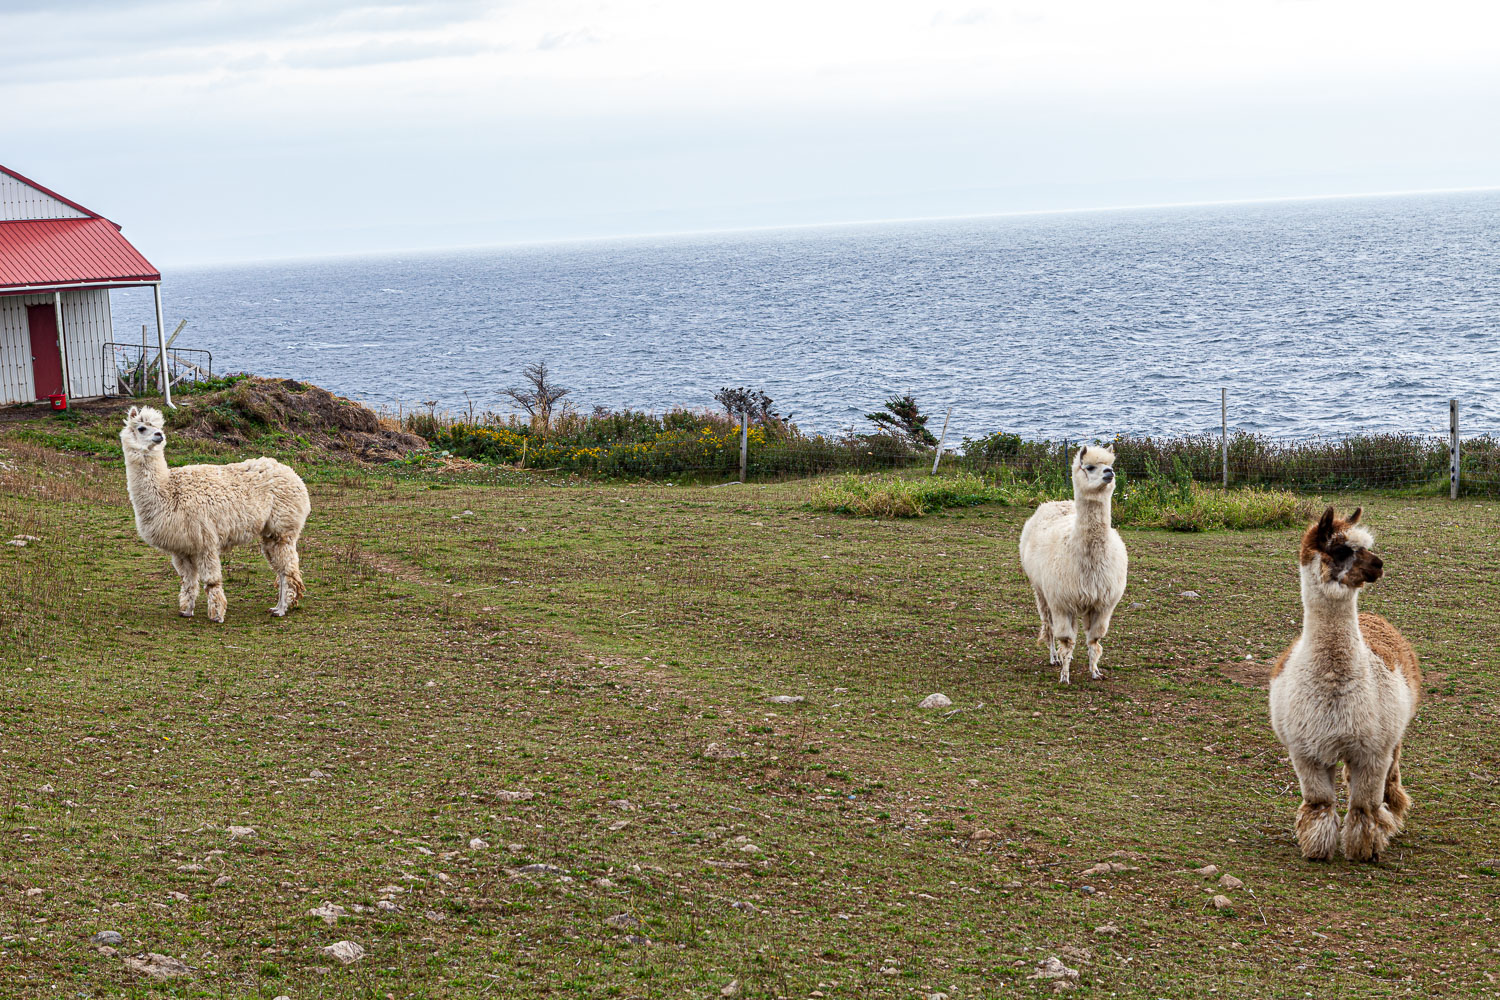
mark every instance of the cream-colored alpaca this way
{"type": "Point", "coordinates": [1344, 691]}
{"type": "Point", "coordinates": [197, 512]}
{"type": "Point", "coordinates": [1076, 562]}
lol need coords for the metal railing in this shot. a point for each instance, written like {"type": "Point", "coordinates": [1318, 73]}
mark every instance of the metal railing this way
{"type": "Point", "coordinates": [134, 369]}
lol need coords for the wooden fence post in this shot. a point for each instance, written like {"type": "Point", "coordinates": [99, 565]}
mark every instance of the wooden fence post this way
{"type": "Point", "coordinates": [744, 443]}
{"type": "Point", "coordinates": [1453, 449]}
{"type": "Point", "coordinates": [1224, 431]}
{"type": "Point", "coordinates": [941, 437]}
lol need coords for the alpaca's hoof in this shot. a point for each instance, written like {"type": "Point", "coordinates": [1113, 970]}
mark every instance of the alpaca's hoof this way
{"type": "Point", "coordinates": [279, 612]}
{"type": "Point", "coordinates": [1097, 674]}
{"type": "Point", "coordinates": [185, 614]}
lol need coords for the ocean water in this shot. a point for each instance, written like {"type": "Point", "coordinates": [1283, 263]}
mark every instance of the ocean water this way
{"type": "Point", "coordinates": [1319, 317]}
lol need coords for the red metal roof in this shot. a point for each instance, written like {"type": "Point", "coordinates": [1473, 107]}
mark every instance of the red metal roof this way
{"type": "Point", "coordinates": [68, 252]}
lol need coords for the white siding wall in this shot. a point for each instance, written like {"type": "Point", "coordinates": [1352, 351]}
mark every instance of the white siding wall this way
{"type": "Point", "coordinates": [22, 201]}
{"type": "Point", "coordinates": [86, 327]}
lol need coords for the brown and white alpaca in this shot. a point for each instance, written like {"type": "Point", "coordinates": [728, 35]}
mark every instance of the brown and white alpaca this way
{"type": "Point", "coordinates": [1344, 691]}
{"type": "Point", "coordinates": [197, 512]}
{"type": "Point", "coordinates": [1076, 561]}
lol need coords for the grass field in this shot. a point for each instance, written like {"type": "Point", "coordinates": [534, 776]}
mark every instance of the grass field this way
{"type": "Point", "coordinates": [579, 676]}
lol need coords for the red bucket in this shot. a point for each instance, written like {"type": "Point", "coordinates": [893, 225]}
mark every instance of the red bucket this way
{"type": "Point", "coordinates": [59, 400]}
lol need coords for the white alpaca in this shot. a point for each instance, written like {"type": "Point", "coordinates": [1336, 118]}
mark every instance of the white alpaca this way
{"type": "Point", "coordinates": [1076, 562]}
{"type": "Point", "coordinates": [197, 512]}
{"type": "Point", "coordinates": [1344, 691]}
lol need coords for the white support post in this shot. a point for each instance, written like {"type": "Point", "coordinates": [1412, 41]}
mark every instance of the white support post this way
{"type": "Point", "coordinates": [1452, 449]}
{"type": "Point", "coordinates": [62, 345]}
{"type": "Point", "coordinates": [941, 437]}
{"type": "Point", "coordinates": [744, 443]}
{"type": "Point", "coordinates": [161, 343]}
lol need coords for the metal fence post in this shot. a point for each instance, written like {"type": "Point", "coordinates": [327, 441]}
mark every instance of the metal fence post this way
{"type": "Point", "coordinates": [1224, 430]}
{"type": "Point", "coordinates": [1453, 449]}
{"type": "Point", "coordinates": [744, 443]}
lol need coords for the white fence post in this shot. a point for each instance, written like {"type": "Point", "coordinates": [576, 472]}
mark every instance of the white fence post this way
{"type": "Point", "coordinates": [1224, 431]}
{"type": "Point", "coordinates": [941, 437]}
{"type": "Point", "coordinates": [1452, 449]}
{"type": "Point", "coordinates": [744, 443]}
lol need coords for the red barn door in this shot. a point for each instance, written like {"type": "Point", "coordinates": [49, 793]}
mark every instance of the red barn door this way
{"type": "Point", "coordinates": [46, 354]}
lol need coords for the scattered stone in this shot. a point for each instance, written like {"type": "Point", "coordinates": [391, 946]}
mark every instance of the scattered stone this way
{"type": "Point", "coordinates": [1135, 606]}
{"type": "Point", "coordinates": [46, 789]}
{"type": "Point", "coordinates": [190, 868]}
{"type": "Point", "coordinates": [1063, 985]}
{"type": "Point", "coordinates": [621, 921]}
{"type": "Point", "coordinates": [1077, 954]}
{"type": "Point", "coordinates": [34, 892]}
{"type": "Point", "coordinates": [1207, 870]}
{"type": "Point", "coordinates": [720, 752]}
{"type": "Point", "coordinates": [1087, 890]}
{"type": "Point", "coordinates": [1222, 903]}
{"type": "Point", "coordinates": [732, 990]}
{"type": "Point", "coordinates": [181, 897]}
{"type": "Point", "coordinates": [519, 796]}
{"type": "Point", "coordinates": [638, 939]}
{"type": "Point", "coordinates": [604, 883]}
{"type": "Point", "coordinates": [624, 805]}
{"type": "Point", "coordinates": [890, 970]}
{"type": "Point", "coordinates": [346, 952]}
{"type": "Point", "coordinates": [478, 844]}
{"type": "Point", "coordinates": [618, 825]}
{"type": "Point", "coordinates": [107, 951]}
{"type": "Point", "coordinates": [1106, 930]}
{"type": "Point", "coordinates": [984, 835]}
{"type": "Point", "coordinates": [1230, 882]}
{"type": "Point", "coordinates": [386, 905]}
{"type": "Point", "coordinates": [221, 881]}
{"type": "Point", "coordinates": [390, 890]}
{"type": "Point", "coordinates": [516, 848]}
{"type": "Point", "coordinates": [1191, 595]}
{"type": "Point", "coordinates": [158, 966]}
{"type": "Point", "coordinates": [315, 773]}
{"type": "Point", "coordinates": [329, 913]}
{"type": "Point", "coordinates": [108, 937]}
{"type": "Point", "coordinates": [786, 699]}
{"type": "Point", "coordinates": [238, 832]}
{"type": "Point", "coordinates": [749, 849]}
{"type": "Point", "coordinates": [936, 996]}
{"type": "Point", "coordinates": [1053, 968]}
{"type": "Point", "coordinates": [935, 701]}
{"type": "Point", "coordinates": [539, 870]}
{"type": "Point", "coordinates": [435, 916]}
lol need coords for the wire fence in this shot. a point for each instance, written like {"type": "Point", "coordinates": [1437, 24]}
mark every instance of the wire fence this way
{"type": "Point", "coordinates": [712, 447]}
{"type": "Point", "coordinates": [135, 369]}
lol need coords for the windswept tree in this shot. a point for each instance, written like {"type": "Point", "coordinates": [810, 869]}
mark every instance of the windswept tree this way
{"type": "Point", "coordinates": [750, 401]}
{"type": "Point", "coordinates": [538, 396]}
{"type": "Point", "coordinates": [902, 418]}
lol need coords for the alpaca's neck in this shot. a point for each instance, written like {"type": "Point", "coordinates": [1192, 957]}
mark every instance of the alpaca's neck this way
{"type": "Point", "coordinates": [146, 479]}
{"type": "Point", "coordinates": [1329, 624]}
{"type": "Point", "coordinates": [1091, 519]}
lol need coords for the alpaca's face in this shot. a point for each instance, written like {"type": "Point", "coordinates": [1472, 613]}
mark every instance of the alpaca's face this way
{"type": "Point", "coordinates": [1337, 551]}
{"type": "Point", "coordinates": [1093, 470]}
{"type": "Point", "coordinates": [142, 430]}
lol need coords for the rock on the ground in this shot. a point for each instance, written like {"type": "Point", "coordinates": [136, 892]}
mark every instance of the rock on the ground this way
{"type": "Point", "coordinates": [1230, 882]}
{"type": "Point", "coordinates": [935, 701]}
{"type": "Point", "coordinates": [506, 795]}
{"type": "Point", "coordinates": [329, 913]}
{"type": "Point", "coordinates": [732, 990]}
{"type": "Point", "coordinates": [158, 966]}
{"type": "Point", "coordinates": [638, 939]}
{"type": "Point", "coordinates": [346, 952]}
{"type": "Point", "coordinates": [1053, 968]}
{"type": "Point", "coordinates": [1106, 930]}
{"type": "Point", "coordinates": [1207, 870]}
{"type": "Point", "coordinates": [1222, 903]}
{"type": "Point", "coordinates": [1191, 595]}
{"type": "Point", "coordinates": [385, 905]}
{"type": "Point", "coordinates": [239, 832]}
{"type": "Point", "coordinates": [621, 921]}
{"type": "Point", "coordinates": [786, 699]}
{"type": "Point", "coordinates": [478, 843]}
{"type": "Point", "coordinates": [718, 751]}
{"type": "Point", "coordinates": [108, 937]}
{"type": "Point", "coordinates": [221, 881]}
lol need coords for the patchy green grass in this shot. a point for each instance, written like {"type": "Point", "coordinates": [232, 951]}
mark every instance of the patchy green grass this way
{"type": "Point", "coordinates": [464, 645]}
{"type": "Point", "coordinates": [1152, 502]}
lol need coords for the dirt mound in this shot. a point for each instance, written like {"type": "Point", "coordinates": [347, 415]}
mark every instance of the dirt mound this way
{"type": "Point", "coordinates": [253, 408]}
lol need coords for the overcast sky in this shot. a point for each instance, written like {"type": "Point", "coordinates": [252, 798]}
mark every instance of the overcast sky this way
{"type": "Point", "coordinates": [229, 130]}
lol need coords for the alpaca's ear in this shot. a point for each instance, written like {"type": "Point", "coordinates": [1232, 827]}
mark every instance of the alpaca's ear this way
{"type": "Point", "coordinates": [1325, 529]}
{"type": "Point", "coordinates": [132, 414]}
{"type": "Point", "coordinates": [1354, 518]}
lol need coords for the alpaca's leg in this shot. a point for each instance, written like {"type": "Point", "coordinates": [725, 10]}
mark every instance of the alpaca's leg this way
{"type": "Point", "coordinates": [1317, 818]}
{"type": "Point", "coordinates": [187, 599]}
{"type": "Point", "coordinates": [1396, 799]}
{"type": "Point", "coordinates": [211, 571]}
{"type": "Point", "coordinates": [1064, 631]}
{"type": "Point", "coordinates": [282, 555]}
{"type": "Point", "coordinates": [1045, 636]}
{"type": "Point", "coordinates": [1096, 627]}
{"type": "Point", "coordinates": [1368, 824]}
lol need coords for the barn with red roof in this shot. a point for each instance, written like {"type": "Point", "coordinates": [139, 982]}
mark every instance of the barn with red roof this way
{"type": "Point", "coordinates": [58, 262]}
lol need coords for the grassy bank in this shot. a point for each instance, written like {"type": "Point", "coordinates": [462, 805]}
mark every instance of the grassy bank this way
{"type": "Point", "coordinates": [578, 676]}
